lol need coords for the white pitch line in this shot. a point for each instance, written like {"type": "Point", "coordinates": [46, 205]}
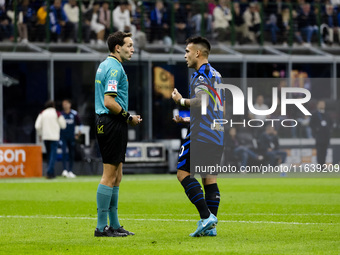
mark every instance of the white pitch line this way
{"type": "Point", "coordinates": [167, 220]}
{"type": "Point", "coordinates": [283, 214]}
{"type": "Point", "coordinates": [242, 214]}
{"type": "Point", "coordinates": [43, 180]}
{"type": "Point", "coordinates": [81, 179]}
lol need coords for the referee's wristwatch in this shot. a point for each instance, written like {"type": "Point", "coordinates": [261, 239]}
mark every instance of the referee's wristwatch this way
{"type": "Point", "coordinates": [130, 118]}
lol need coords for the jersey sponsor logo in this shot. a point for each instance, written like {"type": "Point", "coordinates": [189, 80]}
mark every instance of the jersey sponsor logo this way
{"type": "Point", "coordinates": [112, 85]}
{"type": "Point", "coordinates": [99, 70]}
{"type": "Point", "coordinates": [69, 121]}
{"type": "Point", "coordinates": [100, 129]}
{"type": "Point", "coordinates": [114, 73]}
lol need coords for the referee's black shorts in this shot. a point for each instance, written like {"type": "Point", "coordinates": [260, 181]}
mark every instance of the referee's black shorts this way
{"type": "Point", "coordinates": [111, 133]}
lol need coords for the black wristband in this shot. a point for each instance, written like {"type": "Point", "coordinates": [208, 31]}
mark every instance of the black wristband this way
{"type": "Point", "coordinates": [124, 114]}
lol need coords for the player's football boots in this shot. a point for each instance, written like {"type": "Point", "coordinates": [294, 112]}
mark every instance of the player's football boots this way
{"type": "Point", "coordinates": [210, 232]}
{"type": "Point", "coordinates": [204, 224]}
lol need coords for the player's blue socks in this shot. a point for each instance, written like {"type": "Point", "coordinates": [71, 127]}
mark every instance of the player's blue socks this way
{"type": "Point", "coordinates": [194, 192]}
{"type": "Point", "coordinates": [113, 210]}
{"type": "Point", "coordinates": [212, 197]}
{"type": "Point", "coordinates": [104, 194]}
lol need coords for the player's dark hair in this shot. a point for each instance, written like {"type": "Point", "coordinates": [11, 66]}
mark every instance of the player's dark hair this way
{"type": "Point", "coordinates": [68, 100]}
{"type": "Point", "coordinates": [49, 103]}
{"type": "Point", "coordinates": [116, 38]}
{"type": "Point", "coordinates": [123, 2]}
{"type": "Point", "coordinates": [199, 40]}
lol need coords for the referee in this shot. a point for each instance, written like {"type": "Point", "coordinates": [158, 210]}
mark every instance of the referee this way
{"type": "Point", "coordinates": [111, 105]}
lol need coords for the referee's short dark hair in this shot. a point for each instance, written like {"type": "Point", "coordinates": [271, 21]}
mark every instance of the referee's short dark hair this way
{"type": "Point", "coordinates": [199, 40]}
{"type": "Point", "coordinates": [116, 38]}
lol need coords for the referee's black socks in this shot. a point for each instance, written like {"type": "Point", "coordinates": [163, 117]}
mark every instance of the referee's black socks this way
{"type": "Point", "coordinates": [194, 192]}
{"type": "Point", "coordinates": [212, 197]}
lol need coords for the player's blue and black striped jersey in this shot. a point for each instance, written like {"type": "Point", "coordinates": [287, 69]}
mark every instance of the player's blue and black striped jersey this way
{"type": "Point", "coordinates": [111, 79]}
{"type": "Point", "coordinates": [72, 119]}
{"type": "Point", "coordinates": [201, 126]}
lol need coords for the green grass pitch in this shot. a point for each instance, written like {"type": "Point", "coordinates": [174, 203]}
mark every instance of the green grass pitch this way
{"type": "Point", "coordinates": [256, 216]}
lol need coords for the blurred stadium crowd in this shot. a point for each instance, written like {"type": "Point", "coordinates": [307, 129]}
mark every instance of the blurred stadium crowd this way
{"type": "Point", "coordinates": [172, 21]}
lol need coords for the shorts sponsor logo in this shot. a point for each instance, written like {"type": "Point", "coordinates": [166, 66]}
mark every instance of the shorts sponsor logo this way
{"type": "Point", "coordinates": [112, 86]}
{"type": "Point", "coordinates": [100, 129]}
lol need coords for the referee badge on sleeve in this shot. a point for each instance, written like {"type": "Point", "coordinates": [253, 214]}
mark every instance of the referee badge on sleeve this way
{"type": "Point", "coordinates": [112, 86]}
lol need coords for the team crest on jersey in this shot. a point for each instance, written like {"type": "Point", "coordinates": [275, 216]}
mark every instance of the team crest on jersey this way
{"type": "Point", "coordinates": [112, 85]}
{"type": "Point", "coordinates": [201, 78]}
{"type": "Point", "coordinates": [114, 73]}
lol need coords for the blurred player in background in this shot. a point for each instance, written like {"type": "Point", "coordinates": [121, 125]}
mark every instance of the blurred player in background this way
{"type": "Point", "coordinates": [67, 137]}
{"type": "Point", "coordinates": [321, 124]}
{"type": "Point", "coordinates": [269, 147]}
{"type": "Point", "coordinates": [197, 52]}
{"type": "Point", "coordinates": [48, 125]}
{"type": "Point", "coordinates": [111, 106]}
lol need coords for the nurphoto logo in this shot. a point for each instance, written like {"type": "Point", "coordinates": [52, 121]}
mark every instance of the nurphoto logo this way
{"type": "Point", "coordinates": [238, 105]}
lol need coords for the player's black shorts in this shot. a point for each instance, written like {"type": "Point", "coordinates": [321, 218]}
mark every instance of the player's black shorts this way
{"type": "Point", "coordinates": [112, 139]}
{"type": "Point", "coordinates": [197, 150]}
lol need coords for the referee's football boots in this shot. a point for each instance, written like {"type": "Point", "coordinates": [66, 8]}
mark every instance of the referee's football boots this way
{"type": "Point", "coordinates": [108, 232]}
{"type": "Point", "coordinates": [204, 224]}
{"type": "Point", "coordinates": [122, 230]}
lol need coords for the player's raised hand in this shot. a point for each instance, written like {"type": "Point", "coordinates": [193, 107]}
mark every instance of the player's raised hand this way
{"type": "Point", "coordinates": [176, 96]}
